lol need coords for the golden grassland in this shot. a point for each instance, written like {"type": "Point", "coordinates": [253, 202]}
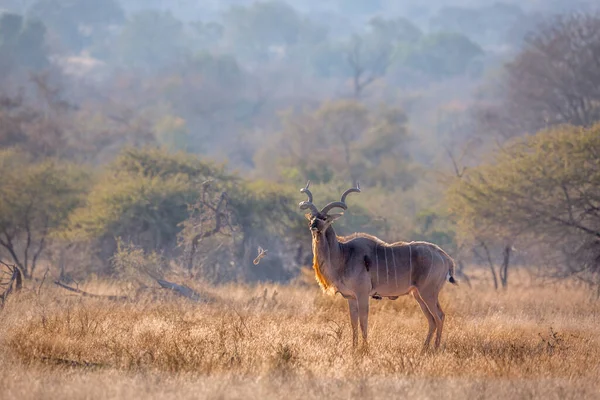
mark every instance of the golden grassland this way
{"type": "Point", "coordinates": [273, 341]}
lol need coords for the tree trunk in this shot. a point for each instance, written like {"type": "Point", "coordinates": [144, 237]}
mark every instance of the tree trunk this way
{"type": "Point", "coordinates": [490, 263]}
{"type": "Point", "coordinates": [505, 264]}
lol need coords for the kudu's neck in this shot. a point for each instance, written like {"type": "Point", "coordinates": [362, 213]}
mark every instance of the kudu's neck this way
{"type": "Point", "coordinates": [327, 254]}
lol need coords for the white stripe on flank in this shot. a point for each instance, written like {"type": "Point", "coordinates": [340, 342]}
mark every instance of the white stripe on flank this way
{"type": "Point", "coordinates": [394, 260]}
{"type": "Point", "coordinates": [387, 272]}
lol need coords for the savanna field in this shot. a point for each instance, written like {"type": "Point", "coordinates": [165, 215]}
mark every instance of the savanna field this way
{"type": "Point", "coordinates": [274, 341]}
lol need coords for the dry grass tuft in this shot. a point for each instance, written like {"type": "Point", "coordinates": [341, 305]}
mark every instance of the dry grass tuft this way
{"type": "Point", "coordinates": [270, 341]}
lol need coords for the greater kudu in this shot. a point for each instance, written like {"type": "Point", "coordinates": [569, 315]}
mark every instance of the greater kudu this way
{"type": "Point", "coordinates": [360, 266]}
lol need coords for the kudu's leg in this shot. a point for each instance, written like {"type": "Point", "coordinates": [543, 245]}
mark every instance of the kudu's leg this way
{"type": "Point", "coordinates": [430, 319]}
{"type": "Point", "coordinates": [363, 314]}
{"type": "Point", "coordinates": [442, 316]}
{"type": "Point", "coordinates": [432, 304]}
{"type": "Point", "coordinates": [353, 307]}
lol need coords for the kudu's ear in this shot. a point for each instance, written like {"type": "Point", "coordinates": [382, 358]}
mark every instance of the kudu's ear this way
{"type": "Point", "coordinates": [333, 217]}
{"type": "Point", "coordinates": [308, 216]}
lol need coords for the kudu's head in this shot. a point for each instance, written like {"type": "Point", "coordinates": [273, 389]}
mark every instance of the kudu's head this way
{"type": "Point", "coordinates": [319, 221]}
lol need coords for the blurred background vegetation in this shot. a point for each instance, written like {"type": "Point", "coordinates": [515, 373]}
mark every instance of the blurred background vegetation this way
{"type": "Point", "coordinates": [176, 135]}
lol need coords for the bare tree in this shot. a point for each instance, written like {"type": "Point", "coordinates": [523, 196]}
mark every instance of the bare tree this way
{"type": "Point", "coordinates": [209, 216]}
{"type": "Point", "coordinates": [368, 61]}
{"type": "Point", "coordinates": [554, 80]}
{"type": "Point", "coordinates": [482, 238]}
{"type": "Point", "coordinates": [11, 278]}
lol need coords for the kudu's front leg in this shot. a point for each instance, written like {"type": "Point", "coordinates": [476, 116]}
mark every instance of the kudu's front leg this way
{"type": "Point", "coordinates": [363, 315]}
{"type": "Point", "coordinates": [353, 307]}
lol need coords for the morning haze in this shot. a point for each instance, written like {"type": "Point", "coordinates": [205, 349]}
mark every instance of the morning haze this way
{"type": "Point", "coordinates": [155, 232]}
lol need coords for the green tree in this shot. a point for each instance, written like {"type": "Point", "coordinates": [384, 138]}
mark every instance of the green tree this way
{"type": "Point", "coordinates": [36, 200]}
{"type": "Point", "coordinates": [544, 188]}
{"type": "Point", "coordinates": [142, 197]}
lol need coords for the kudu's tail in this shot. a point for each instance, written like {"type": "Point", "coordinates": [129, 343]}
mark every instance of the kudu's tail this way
{"type": "Point", "coordinates": [451, 271]}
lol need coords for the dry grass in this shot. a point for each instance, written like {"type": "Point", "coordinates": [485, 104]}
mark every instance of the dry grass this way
{"type": "Point", "coordinates": [251, 342]}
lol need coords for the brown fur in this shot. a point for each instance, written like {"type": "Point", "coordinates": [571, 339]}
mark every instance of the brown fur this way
{"type": "Point", "coordinates": [345, 239]}
{"type": "Point", "coordinates": [325, 285]}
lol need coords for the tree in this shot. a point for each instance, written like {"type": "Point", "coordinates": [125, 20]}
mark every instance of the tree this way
{"type": "Point", "coordinates": [341, 140]}
{"type": "Point", "coordinates": [385, 158]}
{"type": "Point", "coordinates": [208, 217]}
{"type": "Point", "coordinates": [150, 40]}
{"type": "Point", "coordinates": [365, 57]}
{"type": "Point", "coordinates": [40, 123]}
{"type": "Point", "coordinates": [208, 34]}
{"type": "Point", "coordinates": [142, 197]}
{"type": "Point", "coordinates": [544, 189]}
{"type": "Point", "coordinates": [553, 80]}
{"type": "Point", "coordinates": [35, 201]}
{"type": "Point", "coordinates": [368, 59]}
{"type": "Point", "coordinates": [21, 44]}
{"type": "Point", "coordinates": [257, 28]}
{"type": "Point", "coordinates": [397, 30]}
{"type": "Point", "coordinates": [175, 204]}
{"type": "Point", "coordinates": [441, 55]}
{"type": "Point", "coordinates": [486, 24]}
{"type": "Point", "coordinates": [76, 22]}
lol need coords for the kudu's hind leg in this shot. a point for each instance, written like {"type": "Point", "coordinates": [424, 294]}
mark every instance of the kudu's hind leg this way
{"type": "Point", "coordinates": [430, 319]}
{"type": "Point", "coordinates": [442, 316]}
{"type": "Point", "coordinates": [353, 307]}
{"type": "Point", "coordinates": [432, 303]}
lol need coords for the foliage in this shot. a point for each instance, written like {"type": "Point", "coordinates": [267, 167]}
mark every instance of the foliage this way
{"type": "Point", "coordinates": [143, 196]}
{"type": "Point", "coordinates": [441, 54]}
{"type": "Point", "coordinates": [266, 215]}
{"type": "Point", "coordinates": [208, 33]}
{"type": "Point", "coordinates": [397, 30]}
{"type": "Point", "coordinates": [328, 60]}
{"type": "Point", "coordinates": [35, 201]}
{"type": "Point", "coordinates": [21, 44]}
{"type": "Point", "coordinates": [77, 22]}
{"type": "Point", "coordinates": [486, 24]}
{"type": "Point", "coordinates": [434, 227]}
{"type": "Point", "coordinates": [258, 30]}
{"type": "Point", "coordinates": [172, 132]}
{"type": "Point", "coordinates": [149, 40]}
{"type": "Point", "coordinates": [551, 81]}
{"type": "Point", "coordinates": [545, 187]}
{"type": "Point", "coordinates": [343, 140]}
{"type": "Point", "coordinates": [223, 70]}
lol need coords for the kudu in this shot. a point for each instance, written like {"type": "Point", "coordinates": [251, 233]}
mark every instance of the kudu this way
{"type": "Point", "coordinates": [361, 266]}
